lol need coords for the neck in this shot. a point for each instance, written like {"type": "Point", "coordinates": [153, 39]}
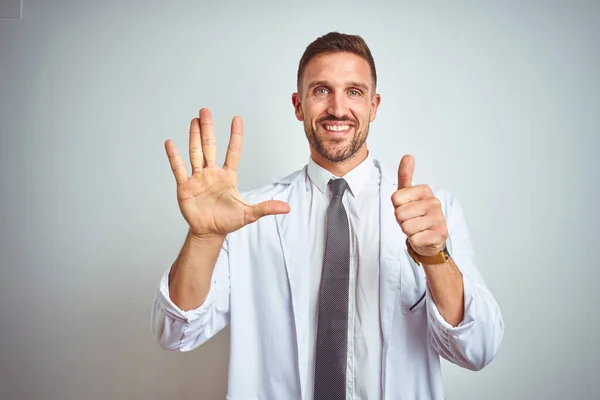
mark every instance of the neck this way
{"type": "Point", "coordinates": [341, 168]}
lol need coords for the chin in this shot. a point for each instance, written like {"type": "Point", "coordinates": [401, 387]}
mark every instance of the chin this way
{"type": "Point", "coordinates": [332, 149]}
{"type": "Point", "coordinates": [337, 155]}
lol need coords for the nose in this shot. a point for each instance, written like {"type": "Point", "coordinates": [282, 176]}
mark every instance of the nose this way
{"type": "Point", "coordinates": [337, 105]}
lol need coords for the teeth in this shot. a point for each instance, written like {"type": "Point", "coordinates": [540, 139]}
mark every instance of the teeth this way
{"type": "Point", "coordinates": [337, 128]}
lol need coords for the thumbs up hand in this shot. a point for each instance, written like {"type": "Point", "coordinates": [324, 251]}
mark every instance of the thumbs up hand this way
{"type": "Point", "coordinates": [419, 212]}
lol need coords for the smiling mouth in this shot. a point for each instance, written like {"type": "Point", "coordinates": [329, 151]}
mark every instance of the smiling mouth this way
{"type": "Point", "coordinates": [337, 128]}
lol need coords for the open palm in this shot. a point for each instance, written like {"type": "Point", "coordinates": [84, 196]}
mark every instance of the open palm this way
{"type": "Point", "coordinates": [209, 199]}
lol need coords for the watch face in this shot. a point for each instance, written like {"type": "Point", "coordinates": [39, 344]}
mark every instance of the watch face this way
{"type": "Point", "coordinates": [441, 257]}
{"type": "Point", "coordinates": [446, 254]}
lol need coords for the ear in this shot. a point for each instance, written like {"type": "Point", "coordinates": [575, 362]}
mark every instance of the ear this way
{"type": "Point", "coordinates": [297, 106]}
{"type": "Point", "coordinates": [375, 101]}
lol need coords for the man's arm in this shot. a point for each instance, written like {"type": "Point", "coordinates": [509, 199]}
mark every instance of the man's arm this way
{"type": "Point", "coordinates": [419, 214]}
{"type": "Point", "coordinates": [204, 283]}
{"type": "Point", "coordinates": [211, 205]}
{"type": "Point", "coordinates": [190, 275]}
{"type": "Point", "coordinates": [474, 341]}
{"type": "Point", "coordinates": [192, 302]}
{"type": "Point", "coordinates": [464, 319]}
{"type": "Point", "coordinates": [445, 283]}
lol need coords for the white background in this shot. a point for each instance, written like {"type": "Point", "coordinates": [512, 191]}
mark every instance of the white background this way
{"type": "Point", "coordinates": [497, 101]}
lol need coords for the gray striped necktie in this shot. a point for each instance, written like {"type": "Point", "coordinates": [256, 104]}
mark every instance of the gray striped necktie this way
{"type": "Point", "coordinates": [332, 322]}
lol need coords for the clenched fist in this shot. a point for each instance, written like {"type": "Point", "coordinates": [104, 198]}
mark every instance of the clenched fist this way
{"type": "Point", "coordinates": [419, 212]}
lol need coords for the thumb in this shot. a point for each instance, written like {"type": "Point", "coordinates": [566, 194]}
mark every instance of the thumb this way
{"type": "Point", "coordinates": [270, 207]}
{"type": "Point", "coordinates": [405, 171]}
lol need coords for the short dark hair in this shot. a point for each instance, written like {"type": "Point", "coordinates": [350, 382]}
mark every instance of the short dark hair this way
{"type": "Point", "coordinates": [335, 42]}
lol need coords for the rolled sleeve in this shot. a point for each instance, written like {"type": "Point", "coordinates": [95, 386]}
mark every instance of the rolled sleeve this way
{"type": "Point", "coordinates": [440, 323]}
{"type": "Point", "coordinates": [175, 329]}
{"type": "Point", "coordinates": [474, 342]}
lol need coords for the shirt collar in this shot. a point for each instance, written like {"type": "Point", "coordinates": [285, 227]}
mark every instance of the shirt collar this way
{"type": "Point", "coordinates": [356, 178]}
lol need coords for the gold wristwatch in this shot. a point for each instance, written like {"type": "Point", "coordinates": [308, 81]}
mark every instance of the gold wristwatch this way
{"type": "Point", "coordinates": [440, 258]}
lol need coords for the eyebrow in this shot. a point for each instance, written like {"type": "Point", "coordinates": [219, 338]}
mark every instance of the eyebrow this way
{"type": "Point", "coordinates": [356, 84]}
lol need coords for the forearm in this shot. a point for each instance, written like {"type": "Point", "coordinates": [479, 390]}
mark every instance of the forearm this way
{"type": "Point", "coordinates": [190, 275]}
{"type": "Point", "coordinates": [446, 286]}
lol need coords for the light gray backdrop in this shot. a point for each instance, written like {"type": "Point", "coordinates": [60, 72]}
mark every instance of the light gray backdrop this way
{"type": "Point", "coordinates": [499, 103]}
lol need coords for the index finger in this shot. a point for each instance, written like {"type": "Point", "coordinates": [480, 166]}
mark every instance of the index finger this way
{"type": "Point", "coordinates": [234, 151]}
{"type": "Point", "coordinates": [413, 193]}
{"type": "Point", "coordinates": [177, 164]}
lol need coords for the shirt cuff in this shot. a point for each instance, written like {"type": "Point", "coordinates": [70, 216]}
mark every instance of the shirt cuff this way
{"type": "Point", "coordinates": [469, 311]}
{"type": "Point", "coordinates": [176, 313]}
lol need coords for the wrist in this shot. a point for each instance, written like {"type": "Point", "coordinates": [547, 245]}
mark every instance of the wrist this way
{"type": "Point", "coordinates": [441, 257]}
{"type": "Point", "coordinates": [204, 240]}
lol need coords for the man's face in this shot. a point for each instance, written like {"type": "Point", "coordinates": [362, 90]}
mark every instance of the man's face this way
{"type": "Point", "coordinates": [336, 102]}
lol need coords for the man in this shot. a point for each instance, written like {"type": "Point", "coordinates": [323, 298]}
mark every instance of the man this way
{"type": "Point", "coordinates": [340, 281]}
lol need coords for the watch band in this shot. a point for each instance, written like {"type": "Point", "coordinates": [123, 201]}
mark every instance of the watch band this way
{"type": "Point", "coordinates": [439, 258]}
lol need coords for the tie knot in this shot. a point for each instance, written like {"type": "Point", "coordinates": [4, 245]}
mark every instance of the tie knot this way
{"type": "Point", "coordinates": [338, 186]}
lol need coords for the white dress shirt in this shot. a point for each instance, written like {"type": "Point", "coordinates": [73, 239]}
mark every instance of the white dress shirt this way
{"type": "Point", "coordinates": [361, 201]}
{"type": "Point", "coordinates": [262, 286]}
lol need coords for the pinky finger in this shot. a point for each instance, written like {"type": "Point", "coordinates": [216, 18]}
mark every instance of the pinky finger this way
{"type": "Point", "coordinates": [177, 165]}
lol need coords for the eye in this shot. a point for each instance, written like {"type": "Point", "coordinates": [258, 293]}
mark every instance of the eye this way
{"type": "Point", "coordinates": [321, 91]}
{"type": "Point", "coordinates": [354, 93]}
